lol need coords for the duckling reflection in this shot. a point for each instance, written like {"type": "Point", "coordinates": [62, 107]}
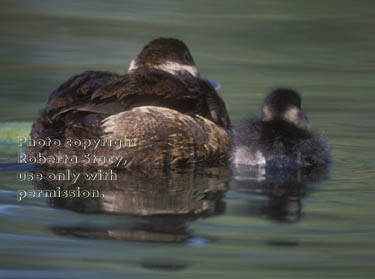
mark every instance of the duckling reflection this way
{"type": "Point", "coordinates": [281, 191]}
{"type": "Point", "coordinates": [157, 206]}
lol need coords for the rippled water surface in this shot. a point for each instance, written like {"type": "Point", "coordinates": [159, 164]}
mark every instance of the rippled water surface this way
{"type": "Point", "coordinates": [198, 223]}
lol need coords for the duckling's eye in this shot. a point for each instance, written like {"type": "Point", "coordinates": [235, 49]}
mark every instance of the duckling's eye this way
{"type": "Point", "coordinates": [188, 57]}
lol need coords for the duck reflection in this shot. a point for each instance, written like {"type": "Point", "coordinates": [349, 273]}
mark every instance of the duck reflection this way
{"type": "Point", "coordinates": [280, 191]}
{"type": "Point", "coordinates": [157, 206]}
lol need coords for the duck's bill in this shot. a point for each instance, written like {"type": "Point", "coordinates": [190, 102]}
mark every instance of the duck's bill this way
{"type": "Point", "coordinates": [214, 84]}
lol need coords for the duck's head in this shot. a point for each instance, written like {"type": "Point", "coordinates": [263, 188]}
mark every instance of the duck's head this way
{"type": "Point", "coordinates": [284, 104]}
{"type": "Point", "coordinates": [169, 55]}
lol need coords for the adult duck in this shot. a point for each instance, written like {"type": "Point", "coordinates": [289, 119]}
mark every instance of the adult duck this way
{"type": "Point", "coordinates": [161, 110]}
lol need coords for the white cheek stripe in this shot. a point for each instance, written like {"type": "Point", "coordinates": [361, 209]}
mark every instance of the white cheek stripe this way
{"type": "Point", "coordinates": [170, 67]}
{"type": "Point", "coordinates": [291, 115]}
{"type": "Point", "coordinates": [267, 114]}
{"type": "Point", "coordinates": [174, 68]}
{"type": "Point", "coordinates": [133, 65]}
{"type": "Point", "coordinates": [297, 117]}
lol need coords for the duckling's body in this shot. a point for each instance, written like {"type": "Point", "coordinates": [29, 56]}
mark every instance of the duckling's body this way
{"type": "Point", "coordinates": [280, 138]}
{"type": "Point", "coordinates": [175, 116]}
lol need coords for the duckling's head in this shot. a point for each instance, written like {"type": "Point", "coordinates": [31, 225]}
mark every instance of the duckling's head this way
{"type": "Point", "coordinates": [167, 54]}
{"type": "Point", "coordinates": [284, 104]}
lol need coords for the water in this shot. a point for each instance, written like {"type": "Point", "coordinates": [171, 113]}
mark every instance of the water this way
{"type": "Point", "coordinates": [207, 223]}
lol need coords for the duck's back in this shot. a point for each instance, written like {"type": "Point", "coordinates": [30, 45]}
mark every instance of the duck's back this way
{"type": "Point", "coordinates": [98, 105]}
{"type": "Point", "coordinates": [74, 92]}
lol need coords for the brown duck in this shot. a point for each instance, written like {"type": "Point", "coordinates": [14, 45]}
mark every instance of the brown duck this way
{"type": "Point", "coordinates": [160, 113]}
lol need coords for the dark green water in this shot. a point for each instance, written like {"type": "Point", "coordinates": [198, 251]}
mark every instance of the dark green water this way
{"type": "Point", "coordinates": [324, 229]}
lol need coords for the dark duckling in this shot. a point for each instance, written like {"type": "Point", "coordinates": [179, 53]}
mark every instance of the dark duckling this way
{"type": "Point", "coordinates": [168, 112]}
{"type": "Point", "coordinates": [281, 137]}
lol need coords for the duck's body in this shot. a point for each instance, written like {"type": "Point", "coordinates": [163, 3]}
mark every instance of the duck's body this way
{"type": "Point", "coordinates": [175, 116]}
{"type": "Point", "coordinates": [280, 138]}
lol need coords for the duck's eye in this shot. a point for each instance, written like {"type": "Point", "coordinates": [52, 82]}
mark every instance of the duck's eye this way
{"type": "Point", "coordinates": [188, 57]}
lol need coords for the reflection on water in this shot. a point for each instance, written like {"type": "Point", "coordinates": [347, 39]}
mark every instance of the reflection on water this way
{"type": "Point", "coordinates": [283, 190]}
{"type": "Point", "coordinates": [159, 204]}
{"type": "Point", "coordinates": [270, 228]}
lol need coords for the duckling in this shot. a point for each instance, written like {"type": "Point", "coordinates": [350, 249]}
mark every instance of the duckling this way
{"type": "Point", "coordinates": [281, 137]}
{"type": "Point", "coordinates": [174, 115]}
